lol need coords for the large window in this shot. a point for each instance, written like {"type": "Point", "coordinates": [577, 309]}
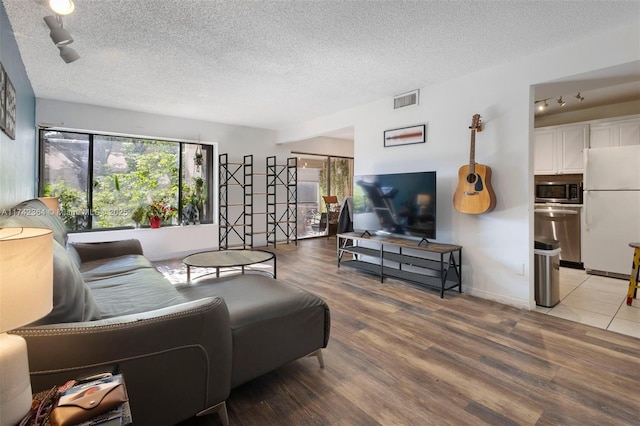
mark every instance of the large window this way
{"type": "Point", "coordinates": [102, 180]}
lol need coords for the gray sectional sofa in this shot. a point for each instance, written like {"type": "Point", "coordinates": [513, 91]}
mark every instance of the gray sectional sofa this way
{"type": "Point", "coordinates": [181, 348]}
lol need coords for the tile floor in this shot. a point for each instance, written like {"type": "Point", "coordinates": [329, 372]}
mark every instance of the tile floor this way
{"type": "Point", "coordinates": [597, 301]}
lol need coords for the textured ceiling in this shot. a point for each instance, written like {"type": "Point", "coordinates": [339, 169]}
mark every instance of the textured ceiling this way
{"type": "Point", "coordinates": [275, 63]}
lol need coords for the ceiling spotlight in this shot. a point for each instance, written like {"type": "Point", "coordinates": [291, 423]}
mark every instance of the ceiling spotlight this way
{"type": "Point", "coordinates": [61, 38]}
{"type": "Point", "coordinates": [543, 105]}
{"type": "Point", "coordinates": [59, 35]}
{"type": "Point", "coordinates": [580, 98]}
{"type": "Point", "coordinates": [561, 102]}
{"type": "Point", "coordinates": [68, 54]}
{"type": "Point", "coordinates": [62, 7]}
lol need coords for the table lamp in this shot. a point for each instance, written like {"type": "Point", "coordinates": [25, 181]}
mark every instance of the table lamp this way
{"type": "Point", "coordinates": [52, 203]}
{"type": "Point", "coordinates": [26, 295]}
{"type": "Point", "coordinates": [423, 203]}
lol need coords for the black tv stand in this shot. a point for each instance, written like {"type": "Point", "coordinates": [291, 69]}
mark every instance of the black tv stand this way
{"type": "Point", "coordinates": [434, 265]}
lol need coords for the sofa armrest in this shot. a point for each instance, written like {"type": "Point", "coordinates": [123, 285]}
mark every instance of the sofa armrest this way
{"type": "Point", "coordinates": [108, 249]}
{"type": "Point", "coordinates": [177, 358]}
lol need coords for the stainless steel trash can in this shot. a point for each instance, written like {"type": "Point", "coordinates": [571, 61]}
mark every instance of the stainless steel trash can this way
{"type": "Point", "coordinates": [547, 271]}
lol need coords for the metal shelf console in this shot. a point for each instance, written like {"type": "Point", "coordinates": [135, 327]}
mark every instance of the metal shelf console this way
{"type": "Point", "coordinates": [432, 265]}
{"type": "Point", "coordinates": [282, 208]}
{"type": "Point", "coordinates": [237, 198]}
{"type": "Point", "coordinates": [235, 218]}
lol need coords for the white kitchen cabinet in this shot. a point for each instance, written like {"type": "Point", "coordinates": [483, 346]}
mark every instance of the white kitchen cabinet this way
{"type": "Point", "coordinates": [615, 133]}
{"type": "Point", "coordinates": [601, 135]}
{"type": "Point", "coordinates": [545, 152]}
{"type": "Point", "coordinates": [558, 149]}
{"type": "Point", "coordinates": [573, 140]}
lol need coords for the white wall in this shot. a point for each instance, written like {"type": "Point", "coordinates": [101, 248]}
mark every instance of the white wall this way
{"type": "Point", "coordinates": [237, 141]}
{"type": "Point", "coordinates": [323, 146]}
{"type": "Point", "coordinates": [162, 243]}
{"type": "Point", "coordinates": [498, 252]}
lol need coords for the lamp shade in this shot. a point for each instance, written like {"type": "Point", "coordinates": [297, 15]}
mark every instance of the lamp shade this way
{"type": "Point", "coordinates": [52, 203]}
{"type": "Point", "coordinates": [424, 199]}
{"type": "Point", "coordinates": [26, 276]}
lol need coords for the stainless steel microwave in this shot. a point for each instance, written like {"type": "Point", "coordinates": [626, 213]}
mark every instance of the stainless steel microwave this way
{"type": "Point", "coordinates": [559, 192]}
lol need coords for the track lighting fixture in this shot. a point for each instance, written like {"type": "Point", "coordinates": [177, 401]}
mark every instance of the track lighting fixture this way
{"type": "Point", "coordinates": [68, 54]}
{"type": "Point", "coordinates": [542, 104]}
{"type": "Point", "coordinates": [59, 35]}
{"type": "Point", "coordinates": [61, 38]}
{"type": "Point", "coordinates": [62, 7]}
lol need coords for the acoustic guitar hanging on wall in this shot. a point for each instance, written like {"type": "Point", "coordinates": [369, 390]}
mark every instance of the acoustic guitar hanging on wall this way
{"type": "Point", "coordinates": [474, 194]}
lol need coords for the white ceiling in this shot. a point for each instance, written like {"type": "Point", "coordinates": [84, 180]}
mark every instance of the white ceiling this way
{"type": "Point", "coordinates": [276, 63]}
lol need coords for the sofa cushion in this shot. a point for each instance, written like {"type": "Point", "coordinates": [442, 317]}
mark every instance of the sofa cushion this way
{"type": "Point", "coordinates": [253, 298]}
{"type": "Point", "coordinates": [272, 322]}
{"type": "Point", "coordinates": [103, 250]}
{"type": "Point", "coordinates": [35, 214]}
{"type": "Point", "coordinates": [98, 269]}
{"type": "Point", "coordinates": [72, 299]}
{"type": "Point", "coordinates": [132, 292]}
{"type": "Point", "coordinates": [74, 255]}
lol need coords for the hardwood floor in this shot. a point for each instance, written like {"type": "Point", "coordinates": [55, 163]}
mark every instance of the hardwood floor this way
{"type": "Point", "coordinates": [400, 355]}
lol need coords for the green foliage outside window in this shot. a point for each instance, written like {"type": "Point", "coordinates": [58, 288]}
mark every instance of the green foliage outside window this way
{"type": "Point", "coordinates": [129, 175]}
{"type": "Point", "coordinates": [340, 175]}
{"type": "Point", "coordinates": [152, 177]}
{"type": "Point", "coordinates": [73, 204]}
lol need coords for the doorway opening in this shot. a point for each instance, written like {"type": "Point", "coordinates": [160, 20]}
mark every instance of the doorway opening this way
{"type": "Point", "coordinates": [319, 176]}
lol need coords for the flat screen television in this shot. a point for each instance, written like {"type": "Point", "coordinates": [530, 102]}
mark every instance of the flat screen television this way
{"type": "Point", "coordinates": [400, 203]}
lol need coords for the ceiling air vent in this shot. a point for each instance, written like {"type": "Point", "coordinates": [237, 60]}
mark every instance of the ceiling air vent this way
{"type": "Point", "coordinates": [406, 99]}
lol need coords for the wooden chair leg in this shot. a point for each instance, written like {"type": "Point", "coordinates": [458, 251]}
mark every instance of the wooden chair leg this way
{"type": "Point", "coordinates": [634, 281]}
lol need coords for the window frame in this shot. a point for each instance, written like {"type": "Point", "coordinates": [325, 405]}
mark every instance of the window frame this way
{"type": "Point", "coordinates": [209, 151]}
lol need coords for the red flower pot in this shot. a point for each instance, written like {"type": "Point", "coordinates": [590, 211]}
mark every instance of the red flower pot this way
{"type": "Point", "coordinates": [155, 222]}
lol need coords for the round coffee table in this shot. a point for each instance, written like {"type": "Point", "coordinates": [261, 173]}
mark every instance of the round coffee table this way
{"type": "Point", "coordinates": [228, 259]}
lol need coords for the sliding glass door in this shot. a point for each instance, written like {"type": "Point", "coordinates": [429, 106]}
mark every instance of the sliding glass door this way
{"type": "Point", "coordinates": [318, 176]}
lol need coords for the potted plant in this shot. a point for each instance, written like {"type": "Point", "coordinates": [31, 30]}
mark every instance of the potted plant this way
{"type": "Point", "coordinates": [138, 215]}
{"type": "Point", "coordinates": [198, 159]}
{"type": "Point", "coordinates": [158, 213]}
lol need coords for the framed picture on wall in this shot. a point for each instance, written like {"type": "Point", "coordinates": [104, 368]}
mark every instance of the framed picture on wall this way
{"type": "Point", "coordinates": [10, 109]}
{"type": "Point", "coordinates": [405, 135]}
{"type": "Point", "coordinates": [3, 77]}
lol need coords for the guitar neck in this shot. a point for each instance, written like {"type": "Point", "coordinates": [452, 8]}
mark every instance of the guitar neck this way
{"type": "Point", "coordinates": [472, 154]}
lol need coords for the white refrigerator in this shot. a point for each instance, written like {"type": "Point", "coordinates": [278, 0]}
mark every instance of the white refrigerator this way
{"type": "Point", "coordinates": [611, 208]}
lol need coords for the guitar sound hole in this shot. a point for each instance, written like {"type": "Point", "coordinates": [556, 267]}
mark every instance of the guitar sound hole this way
{"type": "Point", "coordinates": [471, 178]}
